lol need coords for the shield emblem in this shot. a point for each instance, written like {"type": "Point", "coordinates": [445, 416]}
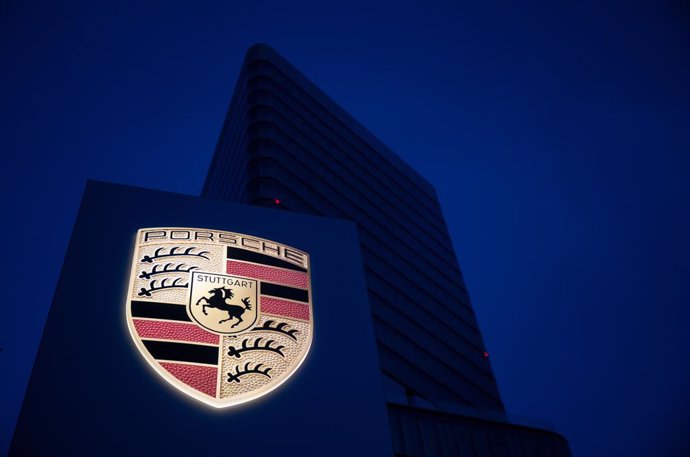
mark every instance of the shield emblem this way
{"type": "Point", "coordinates": [224, 317]}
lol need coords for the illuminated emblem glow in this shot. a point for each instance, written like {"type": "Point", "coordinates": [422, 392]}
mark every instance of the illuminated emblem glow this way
{"type": "Point", "coordinates": [224, 317]}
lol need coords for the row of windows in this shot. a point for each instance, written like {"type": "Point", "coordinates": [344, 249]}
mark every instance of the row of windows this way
{"type": "Point", "coordinates": [361, 181]}
{"type": "Point", "coordinates": [425, 359]}
{"type": "Point", "coordinates": [408, 199]}
{"type": "Point", "coordinates": [417, 321]}
{"type": "Point", "coordinates": [319, 103]}
{"type": "Point", "coordinates": [227, 174]}
{"type": "Point", "coordinates": [267, 76]}
{"type": "Point", "coordinates": [409, 375]}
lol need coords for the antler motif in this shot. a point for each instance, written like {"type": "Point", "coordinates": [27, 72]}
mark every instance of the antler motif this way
{"type": "Point", "coordinates": [246, 370]}
{"type": "Point", "coordinates": [167, 268]}
{"type": "Point", "coordinates": [154, 288]}
{"type": "Point", "coordinates": [256, 347]}
{"type": "Point", "coordinates": [173, 252]}
{"type": "Point", "coordinates": [279, 328]}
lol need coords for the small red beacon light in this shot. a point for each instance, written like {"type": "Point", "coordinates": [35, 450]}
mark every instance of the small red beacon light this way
{"type": "Point", "coordinates": [276, 201]}
{"type": "Point", "coordinates": [486, 355]}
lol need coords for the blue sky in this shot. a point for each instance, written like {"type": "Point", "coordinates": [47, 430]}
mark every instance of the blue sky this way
{"type": "Point", "coordinates": [557, 135]}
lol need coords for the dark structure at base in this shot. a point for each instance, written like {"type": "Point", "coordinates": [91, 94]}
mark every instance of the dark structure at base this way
{"type": "Point", "coordinates": [286, 145]}
{"type": "Point", "coordinates": [423, 431]}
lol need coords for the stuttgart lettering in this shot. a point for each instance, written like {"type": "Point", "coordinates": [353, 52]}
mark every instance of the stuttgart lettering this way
{"type": "Point", "coordinates": [226, 281]}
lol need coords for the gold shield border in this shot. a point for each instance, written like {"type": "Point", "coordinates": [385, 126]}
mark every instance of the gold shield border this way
{"type": "Point", "coordinates": [174, 382]}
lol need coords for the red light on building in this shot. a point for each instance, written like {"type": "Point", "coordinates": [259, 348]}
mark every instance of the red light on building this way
{"type": "Point", "coordinates": [276, 201]}
{"type": "Point", "coordinates": [486, 355]}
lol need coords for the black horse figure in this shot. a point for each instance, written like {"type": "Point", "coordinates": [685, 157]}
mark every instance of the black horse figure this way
{"type": "Point", "coordinates": [218, 301]}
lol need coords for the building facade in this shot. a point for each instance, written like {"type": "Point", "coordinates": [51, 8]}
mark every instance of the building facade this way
{"type": "Point", "coordinates": [285, 144]}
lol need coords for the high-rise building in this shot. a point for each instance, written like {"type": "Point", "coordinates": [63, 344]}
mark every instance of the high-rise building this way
{"type": "Point", "coordinates": [285, 144]}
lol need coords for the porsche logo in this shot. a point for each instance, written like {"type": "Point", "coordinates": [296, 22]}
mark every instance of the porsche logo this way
{"type": "Point", "coordinates": [224, 317]}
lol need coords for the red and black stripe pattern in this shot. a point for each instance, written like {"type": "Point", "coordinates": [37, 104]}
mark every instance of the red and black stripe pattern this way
{"type": "Point", "coordinates": [284, 285]}
{"type": "Point", "coordinates": [181, 347]}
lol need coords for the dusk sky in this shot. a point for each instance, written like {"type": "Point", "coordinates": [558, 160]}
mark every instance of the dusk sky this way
{"type": "Point", "coordinates": [557, 135]}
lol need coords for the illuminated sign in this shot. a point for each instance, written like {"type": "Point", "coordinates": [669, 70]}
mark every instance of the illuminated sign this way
{"type": "Point", "coordinates": [224, 317]}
